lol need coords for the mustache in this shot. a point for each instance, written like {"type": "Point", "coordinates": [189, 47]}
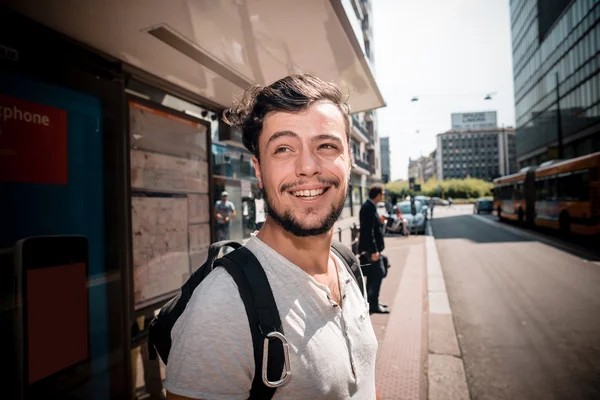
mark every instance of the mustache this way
{"type": "Point", "coordinates": [324, 181]}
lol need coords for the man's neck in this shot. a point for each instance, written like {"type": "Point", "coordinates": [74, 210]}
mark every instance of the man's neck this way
{"type": "Point", "coordinates": [310, 253]}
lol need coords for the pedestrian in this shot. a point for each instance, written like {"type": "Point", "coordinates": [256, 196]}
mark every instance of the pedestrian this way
{"type": "Point", "coordinates": [299, 133]}
{"type": "Point", "coordinates": [370, 244]}
{"type": "Point", "coordinates": [224, 211]}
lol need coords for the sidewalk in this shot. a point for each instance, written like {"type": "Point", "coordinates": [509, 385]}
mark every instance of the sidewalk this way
{"type": "Point", "coordinates": [419, 357]}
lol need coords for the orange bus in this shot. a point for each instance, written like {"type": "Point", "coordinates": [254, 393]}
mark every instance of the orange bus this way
{"type": "Point", "coordinates": [509, 196]}
{"type": "Point", "coordinates": [562, 195]}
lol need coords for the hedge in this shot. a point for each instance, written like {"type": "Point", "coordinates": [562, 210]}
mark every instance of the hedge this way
{"type": "Point", "coordinates": [455, 188]}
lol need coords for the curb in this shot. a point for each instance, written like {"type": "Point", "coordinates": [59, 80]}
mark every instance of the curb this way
{"type": "Point", "coordinates": [446, 378]}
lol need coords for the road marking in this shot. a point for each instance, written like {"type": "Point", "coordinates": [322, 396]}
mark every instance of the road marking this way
{"type": "Point", "coordinates": [548, 241]}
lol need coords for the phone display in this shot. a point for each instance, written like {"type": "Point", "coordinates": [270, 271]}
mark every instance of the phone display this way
{"type": "Point", "coordinates": [53, 316]}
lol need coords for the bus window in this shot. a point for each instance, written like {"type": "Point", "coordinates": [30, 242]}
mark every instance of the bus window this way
{"type": "Point", "coordinates": [540, 194]}
{"type": "Point", "coordinates": [574, 186]}
{"type": "Point", "coordinates": [518, 191]}
{"type": "Point", "coordinates": [552, 188]}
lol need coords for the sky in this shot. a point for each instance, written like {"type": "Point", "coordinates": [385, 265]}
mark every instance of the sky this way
{"type": "Point", "coordinates": [448, 53]}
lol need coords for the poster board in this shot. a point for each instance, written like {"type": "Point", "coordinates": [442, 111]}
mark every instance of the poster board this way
{"type": "Point", "coordinates": [170, 201]}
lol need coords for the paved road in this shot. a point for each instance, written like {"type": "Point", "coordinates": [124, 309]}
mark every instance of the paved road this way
{"type": "Point", "coordinates": [527, 314]}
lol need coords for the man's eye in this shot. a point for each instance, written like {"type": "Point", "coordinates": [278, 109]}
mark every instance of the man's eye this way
{"type": "Point", "coordinates": [282, 150]}
{"type": "Point", "coordinates": [328, 146]}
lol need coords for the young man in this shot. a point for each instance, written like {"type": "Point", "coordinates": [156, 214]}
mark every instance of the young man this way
{"type": "Point", "coordinates": [224, 211]}
{"type": "Point", "coordinates": [298, 130]}
{"type": "Point", "coordinates": [370, 242]}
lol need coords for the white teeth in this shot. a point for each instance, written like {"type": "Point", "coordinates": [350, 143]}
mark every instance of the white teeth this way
{"type": "Point", "coordinates": [309, 193]}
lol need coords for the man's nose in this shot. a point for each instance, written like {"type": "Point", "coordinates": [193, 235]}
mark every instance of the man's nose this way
{"type": "Point", "coordinates": [307, 164]}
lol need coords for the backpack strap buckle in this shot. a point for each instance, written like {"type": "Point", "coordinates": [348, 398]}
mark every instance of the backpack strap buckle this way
{"type": "Point", "coordinates": [287, 372]}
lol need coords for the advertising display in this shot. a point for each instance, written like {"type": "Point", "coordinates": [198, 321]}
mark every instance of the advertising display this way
{"type": "Point", "coordinates": [33, 142]}
{"type": "Point", "coordinates": [474, 120]}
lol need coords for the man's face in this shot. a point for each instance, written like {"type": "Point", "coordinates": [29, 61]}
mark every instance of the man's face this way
{"type": "Point", "coordinates": [304, 168]}
{"type": "Point", "coordinates": [223, 198]}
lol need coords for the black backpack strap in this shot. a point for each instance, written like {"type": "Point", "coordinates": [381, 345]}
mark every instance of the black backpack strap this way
{"type": "Point", "coordinates": [263, 316]}
{"type": "Point", "coordinates": [350, 261]}
{"type": "Point", "coordinates": [215, 248]}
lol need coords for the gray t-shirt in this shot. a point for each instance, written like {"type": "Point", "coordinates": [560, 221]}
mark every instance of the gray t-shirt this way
{"type": "Point", "coordinates": [332, 349]}
{"type": "Point", "coordinates": [225, 208]}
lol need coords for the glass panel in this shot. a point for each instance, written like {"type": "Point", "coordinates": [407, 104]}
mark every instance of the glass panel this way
{"type": "Point", "coordinates": [59, 192]}
{"type": "Point", "coordinates": [170, 211]}
{"type": "Point", "coordinates": [170, 218]}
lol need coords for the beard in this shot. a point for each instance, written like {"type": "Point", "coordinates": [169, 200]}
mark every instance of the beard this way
{"type": "Point", "coordinates": [289, 222]}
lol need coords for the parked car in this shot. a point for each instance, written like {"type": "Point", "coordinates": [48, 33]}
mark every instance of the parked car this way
{"type": "Point", "coordinates": [425, 205]}
{"type": "Point", "coordinates": [440, 202]}
{"type": "Point", "coordinates": [415, 223]}
{"type": "Point", "coordinates": [483, 205]}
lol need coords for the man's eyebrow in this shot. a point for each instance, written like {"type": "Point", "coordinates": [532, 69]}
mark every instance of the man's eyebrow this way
{"type": "Point", "coordinates": [323, 136]}
{"type": "Point", "coordinates": [326, 136]}
{"type": "Point", "coordinates": [280, 134]}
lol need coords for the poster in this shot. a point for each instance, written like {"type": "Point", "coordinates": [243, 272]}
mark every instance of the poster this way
{"type": "Point", "coordinates": [160, 246]}
{"type": "Point", "coordinates": [159, 132]}
{"type": "Point", "coordinates": [33, 142]}
{"type": "Point", "coordinates": [171, 205]}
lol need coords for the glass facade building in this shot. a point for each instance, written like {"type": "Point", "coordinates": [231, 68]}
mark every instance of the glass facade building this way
{"type": "Point", "coordinates": [556, 65]}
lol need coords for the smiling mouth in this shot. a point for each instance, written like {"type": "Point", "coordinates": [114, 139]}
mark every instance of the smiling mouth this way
{"type": "Point", "coordinates": [309, 194]}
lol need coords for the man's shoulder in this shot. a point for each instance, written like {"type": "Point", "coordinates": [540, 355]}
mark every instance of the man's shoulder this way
{"type": "Point", "coordinates": [218, 293]}
{"type": "Point", "coordinates": [368, 206]}
{"type": "Point", "coordinates": [212, 354]}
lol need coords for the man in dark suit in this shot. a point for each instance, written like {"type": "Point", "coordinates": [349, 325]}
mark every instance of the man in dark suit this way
{"type": "Point", "coordinates": [370, 245]}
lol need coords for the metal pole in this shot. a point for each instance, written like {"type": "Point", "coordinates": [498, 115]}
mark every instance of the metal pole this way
{"type": "Point", "coordinates": [559, 122]}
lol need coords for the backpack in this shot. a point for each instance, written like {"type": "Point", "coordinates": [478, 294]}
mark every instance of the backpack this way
{"type": "Point", "coordinates": [268, 340]}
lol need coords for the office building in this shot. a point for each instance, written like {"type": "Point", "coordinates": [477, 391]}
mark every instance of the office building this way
{"type": "Point", "coordinates": [423, 168]}
{"type": "Point", "coordinates": [415, 169]}
{"type": "Point", "coordinates": [385, 160]}
{"type": "Point", "coordinates": [484, 153]}
{"type": "Point", "coordinates": [556, 69]}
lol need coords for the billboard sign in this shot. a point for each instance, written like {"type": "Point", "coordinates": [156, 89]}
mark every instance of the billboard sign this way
{"type": "Point", "coordinates": [474, 120]}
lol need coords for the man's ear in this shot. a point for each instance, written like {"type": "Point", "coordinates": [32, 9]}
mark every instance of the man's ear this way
{"type": "Point", "coordinates": [257, 171]}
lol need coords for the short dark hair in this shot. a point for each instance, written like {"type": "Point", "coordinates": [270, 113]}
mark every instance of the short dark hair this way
{"type": "Point", "coordinates": [294, 93]}
{"type": "Point", "coordinates": [375, 190]}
